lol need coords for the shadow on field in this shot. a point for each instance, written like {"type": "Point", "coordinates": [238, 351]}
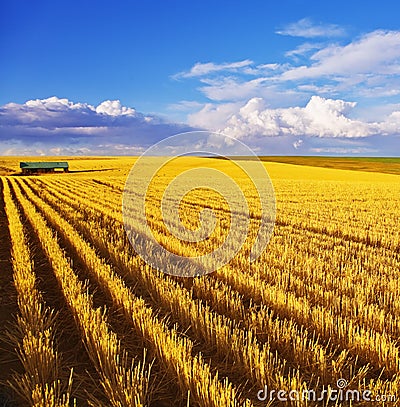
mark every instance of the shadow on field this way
{"type": "Point", "coordinates": [103, 169]}
{"type": "Point", "coordinates": [20, 174]}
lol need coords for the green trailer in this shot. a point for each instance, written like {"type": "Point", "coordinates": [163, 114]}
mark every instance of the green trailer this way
{"type": "Point", "coordinates": [43, 167]}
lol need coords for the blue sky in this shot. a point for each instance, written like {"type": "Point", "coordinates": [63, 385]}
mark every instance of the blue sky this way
{"type": "Point", "coordinates": [288, 77]}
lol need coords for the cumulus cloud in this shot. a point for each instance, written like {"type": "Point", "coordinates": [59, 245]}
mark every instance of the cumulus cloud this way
{"type": "Point", "coordinates": [305, 104]}
{"type": "Point", "coordinates": [60, 126]}
{"type": "Point", "coordinates": [307, 29]}
{"type": "Point", "coordinates": [322, 126]}
{"type": "Point", "coordinates": [320, 117]}
{"type": "Point", "coordinates": [213, 116]}
{"type": "Point", "coordinates": [114, 108]}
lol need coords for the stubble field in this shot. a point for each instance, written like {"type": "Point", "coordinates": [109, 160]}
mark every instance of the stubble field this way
{"type": "Point", "coordinates": [85, 320]}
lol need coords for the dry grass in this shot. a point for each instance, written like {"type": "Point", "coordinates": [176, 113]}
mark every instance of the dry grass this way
{"type": "Point", "coordinates": [321, 303]}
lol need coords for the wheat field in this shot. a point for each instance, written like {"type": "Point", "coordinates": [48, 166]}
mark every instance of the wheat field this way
{"type": "Point", "coordinates": [85, 321]}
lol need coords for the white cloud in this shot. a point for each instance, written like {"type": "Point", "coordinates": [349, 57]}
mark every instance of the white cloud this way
{"type": "Point", "coordinates": [365, 67]}
{"type": "Point", "coordinates": [303, 49]}
{"type": "Point", "coordinates": [297, 144]}
{"type": "Point", "coordinates": [185, 105]}
{"type": "Point", "coordinates": [230, 88]}
{"type": "Point", "coordinates": [44, 109]}
{"type": "Point", "coordinates": [114, 108]}
{"type": "Point", "coordinates": [307, 29]}
{"type": "Point", "coordinates": [212, 116]}
{"type": "Point", "coordinates": [377, 53]}
{"type": "Point", "coordinates": [322, 126]}
{"type": "Point", "coordinates": [343, 150]}
{"type": "Point", "coordinates": [262, 69]}
{"type": "Point", "coordinates": [202, 69]}
{"type": "Point", "coordinates": [59, 126]}
{"type": "Point", "coordinates": [320, 117]}
{"type": "Point", "coordinates": [305, 108]}
{"type": "Point", "coordinates": [55, 104]}
{"type": "Point", "coordinates": [391, 125]}
{"type": "Point", "coordinates": [233, 89]}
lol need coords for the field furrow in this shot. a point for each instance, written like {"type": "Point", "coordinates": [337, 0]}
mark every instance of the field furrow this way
{"type": "Point", "coordinates": [40, 384]}
{"type": "Point", "coordinates": [346, 332]}
{"type": "Point", "coordinates": [123, 383]}
{"type": "Point", "coordinates": [94, 323]}
{"type": "Point", "coordinates": [179, 359]}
